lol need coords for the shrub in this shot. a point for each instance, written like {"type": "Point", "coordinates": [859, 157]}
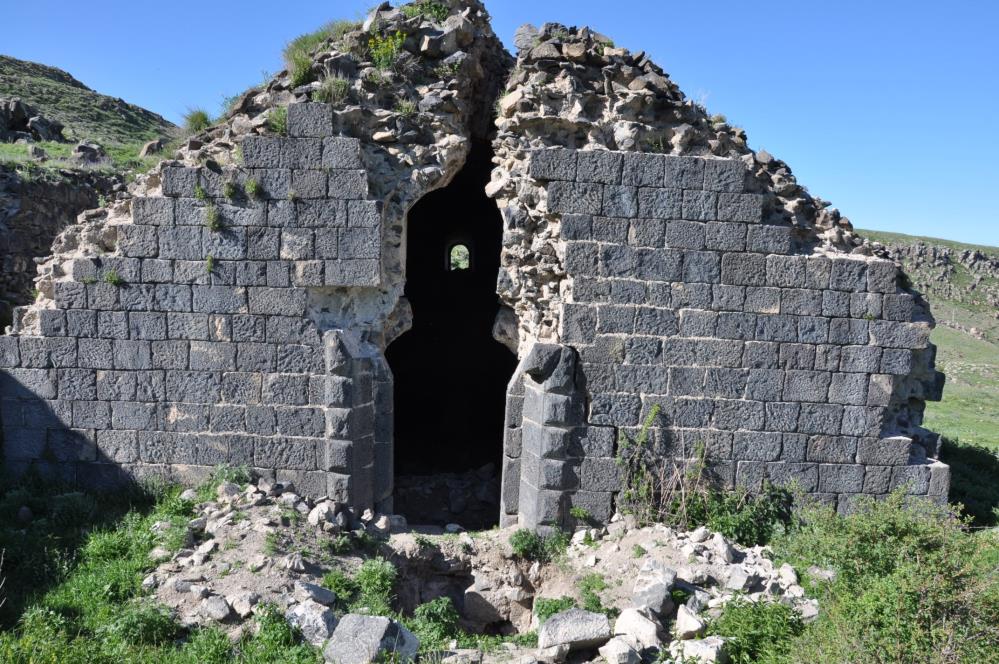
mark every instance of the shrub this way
{"type": "Point", "coordinates": [532, 546]}
{"type": "Point", "coordinates": [345, 588]}
{"type": "Point", "coordinates": [384, 50]}
{"type": "Point", "coordinates": [333, 89]}
{"type": "Point", "coordinates": [196, 120]}
{"type": "Point", "coordinates": [200, 193]}
{"type": "Point", "coordinates": [428, 9]}
{"type": "Point", "coordinates": [375, 580]}
{"type": "Point", "coordinates": [912, 585]}
{"type": "Point", "coordinates": [435, 623]}
{"type": "Point", "coordinates": [230, 190]}
{"type": "Point", "coordinates": [275, 641]}
{"type": "Point", "coordinates": [681, 492]}
{"type": "Point", "coordinates": [235, 474]}
{"type": "Point", "coordinates": [277, 120]}
{"type": "Point", "coordinates": [589, 587]}
{"type": "Point", "coordinates": [757, 632]}
{"type": "Point", "coordinates": [545, 607]}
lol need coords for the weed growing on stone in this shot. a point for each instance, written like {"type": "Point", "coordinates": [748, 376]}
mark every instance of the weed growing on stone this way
{"type": "Point", "coordinates": [546, 607]}
{"type": "Point", "coordinates": [277, 120]}
{"type": "Point", "coordinates": [532, 546]}
{"type": "Point", "coordinates": [428, 9]}
{"type": "Point", "coordinates": [292, 195]}
{"type": "Point", "coordinates": [253, 189]}
{"type": "Point", "coordinates": [213, 220]}
{"type": "Point", "coordinates": [589, 588]}
{"type": "Point", "coordinates": [230, 190]}
{"type": "Point", "coordinates": [196, 120]}
{"type": "Point", "coordinates": [681, 492]}
{"type": "Point", "coordinates": [209, 264]}
{"type": "Point", "coordinates": [638, 551]}
{"type": "Point", "coordinates": [405, 108]}
{"type": "Point", "coordinates": [333, 89]}
{"type": "Point", "coordinates": [239, 475]}
{"type": "Point", "coordinates": [384, 50]}
{"type": "Point", "coordinates": [113, 278]}
{"type": "Point", "coordinates": [200, 193]}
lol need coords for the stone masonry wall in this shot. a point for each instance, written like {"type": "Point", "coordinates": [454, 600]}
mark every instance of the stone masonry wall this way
{"type": "Point", "coordinates": [786, 366]}
{"type": "Point", "coordinates": [189, 346]}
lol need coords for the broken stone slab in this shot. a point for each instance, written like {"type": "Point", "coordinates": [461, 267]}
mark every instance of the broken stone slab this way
{"type": "Point", "coordinates": [619, 651]}
{"type": "Point", "coordinates": [701, 651]}
{"type": "Point", "coordinates": [653, 586]}
{"type": "Point", "coordinates": [243, 603]}
{"type": "Point", "coordinates": [640, 627]}
{"type": "Point", "coordinates": [360, 639]}
{"type": "Point", "coordinates": [688, 625]}
{"type": "Point", "coordinates": [554, 655]}
{"type": "Point", "coordinates": [578, 628]}
{"type": "Point", "coordinates": [311, 591]}
{"type": "Point", "coordinates": [315, 621]}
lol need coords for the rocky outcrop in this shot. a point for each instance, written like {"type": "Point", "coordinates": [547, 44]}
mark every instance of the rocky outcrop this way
{"type": "Point", "coordinates": [18, 121]}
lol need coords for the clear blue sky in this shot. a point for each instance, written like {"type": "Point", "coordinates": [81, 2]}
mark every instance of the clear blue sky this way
{"type": "Point", "coordinates": [886, 108]}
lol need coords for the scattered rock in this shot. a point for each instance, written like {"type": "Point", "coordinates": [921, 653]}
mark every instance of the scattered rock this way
{"type": "Point", "coordinates": [311, 591]}
{"type": "Point", "coordinates": [688, 625]}
{"type": "Point", "coordinates": [575, 627]}
{"type": "Point", "coordinates": [639, 627]}
{"type": "Point", "coordinates": [360, 639]}
{"type": "Point", "coordinates": [619, 651]}
{"type": "Point", "coordinates": [215, 608]}
{"type": "Point", "coordinates": [702, 651]}
{"type": "Point", "coordinates": [316, 621]}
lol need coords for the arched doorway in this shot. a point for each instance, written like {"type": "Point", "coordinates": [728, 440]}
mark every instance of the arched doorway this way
{"type": "Point", "coordinates": [449, 373]}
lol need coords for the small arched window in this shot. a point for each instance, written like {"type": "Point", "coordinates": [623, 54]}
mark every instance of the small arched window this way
{"type": "Point", "coordinates": [459, 258]}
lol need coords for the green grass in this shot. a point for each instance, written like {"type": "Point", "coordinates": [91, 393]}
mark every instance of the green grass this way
{"type": "Point", "coordinates": [120, 157]}
{"type": "Point", "coordinates": [85, 113]}
{"type": "Point", "coordinates": [532, 546]}
{"type": "Point", "coordinates": [298, 52]}
{"type": "Point", "coordinates": [73, 590]}
{"type": "Point", "coordinates": [196, 120]}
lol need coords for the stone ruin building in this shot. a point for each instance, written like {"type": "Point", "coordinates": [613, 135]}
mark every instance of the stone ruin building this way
{"type": "Point", "coordinates": [455, 279]}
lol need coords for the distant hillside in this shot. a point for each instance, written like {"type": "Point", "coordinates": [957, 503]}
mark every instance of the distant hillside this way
{"type": "Point", "coordinates": [961, 282]}
{"type": "Point", "coordinates": [85, 113]}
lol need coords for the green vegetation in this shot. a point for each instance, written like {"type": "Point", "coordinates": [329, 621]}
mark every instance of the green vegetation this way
{"type": "Point", "coordinates": [435, 624]}
{"type": "Point", "coordinates": [85, 113]}
{"type": "Point", "coordinates": [757, 632]}
{"type": "Point", "coordinates": [532, 546]}
{"type": "Point", "coordinates": [277, 120]}
{"type": "Point", "coordinates": [428, 9]}
{"type": "Point", "coordinates": [590, 587]}
{"type": "Point", "coordinates": [658, 489]}
{"type": "Point", "coordinates": [333, 89]}
{"type": "Point", "coordinates": [405, 108]}
{"type": "Point", "coordinates": [213, 220]}
{"type": "Point", "coordinates": [196, 120]}
{"type": "Point", "coordinates": [299, 51]}
{"type": "Point", "coordinates": [230, 190]}
{"type": "Point", "coordinates": [253, 189]}
{"type": "Point", "coordinates": [112, 277]}
{"type": "Point", "coordinates": [74, 573]}
{"type": "Point", "coordinates": [546, 607]}
{"type": "Point", "coordinates": [368, 591]}
{"type": "Point", "coordinates": [912, 585]}
{"type": "Point", "coordinates": [385, 50]}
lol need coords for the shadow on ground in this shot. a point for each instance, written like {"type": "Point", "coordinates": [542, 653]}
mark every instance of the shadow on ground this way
{"type": "Point", "coordinates": [43, 526]}
{"type": "Point", "coordinates": [974, 480]}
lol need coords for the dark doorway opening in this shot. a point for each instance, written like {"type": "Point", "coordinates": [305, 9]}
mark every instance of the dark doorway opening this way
{"type": "Point", "coordinates": [450, 375]}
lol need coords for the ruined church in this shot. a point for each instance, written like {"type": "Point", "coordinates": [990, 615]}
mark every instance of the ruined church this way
{"type": "Point", "coordinates": [425, 276]}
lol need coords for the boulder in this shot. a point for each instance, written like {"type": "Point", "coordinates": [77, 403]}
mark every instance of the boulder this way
{"type": "Point", "coordinates": [152, 147]}
{"type": "Point", "coordinates": [215, 607]}
{"type": "Point", "coordinates": [688, 625]}
{"type": "Point", "coordinates": [653, 586]}
{"type": "Point", "coordinates": [619, 651]}
{"type": "Point", "coordinates": [640, 627]}
{"type": "Point", "coordinates": [310, 591]}
{"type": "Point", "coordinates": [316, 621]}
{"type": "Point", "coordinates": [701, 651]}
{"type": "Point", "coordinates": [88, 153]}
{"type": "Point", "coordinates": [578, 628]}
{"type": "Point", "coordinates": [360, 639]}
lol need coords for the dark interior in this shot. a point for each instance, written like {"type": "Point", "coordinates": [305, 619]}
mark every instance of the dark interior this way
{"type": "Point", "coordinates": [450, 374]}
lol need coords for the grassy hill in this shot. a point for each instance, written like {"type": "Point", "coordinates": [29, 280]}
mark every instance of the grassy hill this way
{"type": "Point", "coordinates": [961, 282]}
{"type": "Point", "coordinates": [85, 113]}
